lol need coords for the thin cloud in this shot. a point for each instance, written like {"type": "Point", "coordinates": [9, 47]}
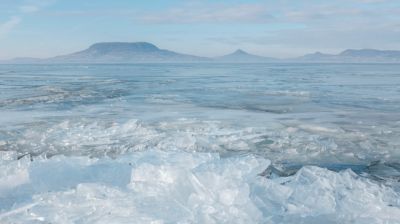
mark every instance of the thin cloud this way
{"type": "Point", "coordinates": [13, 22]}
{"type": "Point", "coordinates": [254, 13]}
{"type": "Point", "coordinates": [93, 13]}
{"type": "Point", "coordinates": [371, 1]}
{"type": "Point", "coordinates": [9, 25]}
{"type": "Point", "coordinates": [29, 8]}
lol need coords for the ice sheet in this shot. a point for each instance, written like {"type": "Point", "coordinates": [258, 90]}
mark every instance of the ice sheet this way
{"type": "Point", "coordinates": [179, 187]}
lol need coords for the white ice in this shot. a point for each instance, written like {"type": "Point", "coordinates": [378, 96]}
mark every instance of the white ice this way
{"type": "Point", "coordinates": [184, 187]}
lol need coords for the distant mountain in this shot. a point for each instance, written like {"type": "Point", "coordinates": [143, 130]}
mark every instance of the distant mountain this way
{"type": "Point", "coordinates": [315, 56]}
{"type": "Point", "coordinates": [242, 56]}
{"type": "Point", "coordinates": [143, 52]}
{"type": "Point", "coordinates": [371, 53]}
{"type": "Point", "coordinates": [121, 52]}
{"type": "Point", "coordinates": [354, 56]}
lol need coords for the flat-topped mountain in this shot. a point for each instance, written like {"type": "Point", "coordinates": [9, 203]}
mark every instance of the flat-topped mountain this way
{"type": "Point", "coordinates": [242, 56]}
{"type": "Point", "coordinates": [122, 52]}
{"type": "Point", "coordinates": [314, 56]}
{"type": "Point", "coordinates": [120, 48]}
{"type": "Point", "coordinates": [354, 56]}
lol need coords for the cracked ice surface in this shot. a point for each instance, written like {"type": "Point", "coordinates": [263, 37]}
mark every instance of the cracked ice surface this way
{"type": "Point", "coordinates": [183, 187]}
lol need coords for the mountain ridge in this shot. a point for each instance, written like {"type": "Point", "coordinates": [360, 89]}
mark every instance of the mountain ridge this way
{"type": "Point", "coordinates": [121, 52]}
{"type": "Point", "coordinates": [144, 52]}
{"type": "Point", "coordinates": [354, 56]}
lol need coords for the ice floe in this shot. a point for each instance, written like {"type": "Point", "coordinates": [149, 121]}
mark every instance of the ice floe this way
{"type": "Point", "coordinates": [182, 187]}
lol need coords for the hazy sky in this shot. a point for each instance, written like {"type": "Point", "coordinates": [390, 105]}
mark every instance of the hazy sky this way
{"type": "Point", "coordinates": [42, 28]}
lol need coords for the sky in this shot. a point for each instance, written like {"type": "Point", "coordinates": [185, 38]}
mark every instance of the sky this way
{"type": "Point", "coordinates": [280, 28]}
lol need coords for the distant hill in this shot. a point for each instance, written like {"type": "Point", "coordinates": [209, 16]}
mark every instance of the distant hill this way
{"type": "Point", "coordinates": [354, 56]}
{"type": "Point", "coordinates": [242, 56]}
{"type": "Point", "coordinates": [371, 53]}
{"type": "Point", "coordinates": [143, 52]}
{"type": "Point", "coordinates": [315, 56]}
{"type": "Point", "coordinates": [120, 52]}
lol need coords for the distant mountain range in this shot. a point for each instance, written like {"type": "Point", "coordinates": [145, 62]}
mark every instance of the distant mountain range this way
{"type": "Point", "coordinates": [354, 56]}
{"type": "Point", "coordinates": [143, 52]}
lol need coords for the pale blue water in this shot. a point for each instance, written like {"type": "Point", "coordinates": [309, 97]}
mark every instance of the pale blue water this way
{"type": "Point", "coordinates": [336, 116]}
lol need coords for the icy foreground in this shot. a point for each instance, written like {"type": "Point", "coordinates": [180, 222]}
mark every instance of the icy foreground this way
{"type": "Point", "coordinates": [182, 187]}
{"type": "Point", "coordinates": [190, 143]}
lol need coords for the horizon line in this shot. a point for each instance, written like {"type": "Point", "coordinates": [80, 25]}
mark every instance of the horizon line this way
{"type": "Point", "coordinates": [191, 54]}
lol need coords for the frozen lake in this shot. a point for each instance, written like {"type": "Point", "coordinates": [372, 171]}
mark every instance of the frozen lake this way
{"type": "Point", "coordinates": [202, 143]}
